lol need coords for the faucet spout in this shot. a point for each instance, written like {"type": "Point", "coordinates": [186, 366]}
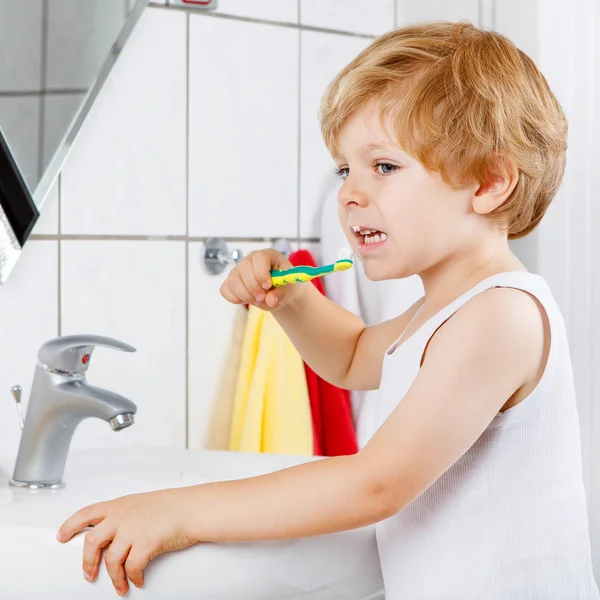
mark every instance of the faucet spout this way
{"type": "Point", "coordinates": [85, 400]}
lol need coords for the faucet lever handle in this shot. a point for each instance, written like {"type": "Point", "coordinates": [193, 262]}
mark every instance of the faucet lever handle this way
{"type": "Point", "coordinates": [72, 353]}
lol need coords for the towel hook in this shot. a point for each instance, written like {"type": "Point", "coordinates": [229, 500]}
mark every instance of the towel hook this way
{"type": "Point", "coordinates": [217, 255]}
{"type": "Point", "coordinates": [283, 245]}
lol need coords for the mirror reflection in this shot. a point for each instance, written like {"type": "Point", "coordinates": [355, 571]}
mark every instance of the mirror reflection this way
{"type": "Point", "coordinates": [51, 53]}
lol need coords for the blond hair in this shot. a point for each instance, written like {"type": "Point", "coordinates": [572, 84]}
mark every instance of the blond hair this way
{"type": "Point", "coordinates": [467, 104]}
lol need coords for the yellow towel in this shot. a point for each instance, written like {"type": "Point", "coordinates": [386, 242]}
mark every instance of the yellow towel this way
{"type": "Point", "coordinates": [271, 410]}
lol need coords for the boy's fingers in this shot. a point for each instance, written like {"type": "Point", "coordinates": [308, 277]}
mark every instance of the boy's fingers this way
{"type": "Point", "coordinates": [229, 295]}
{"type": "Point", "coordinates": [272, 298]}
{"type": "Point", "coordinates": [89, 515]}
{"type": "Point", "coordinates": [237, 286]}
{"type": "Point", "coordinates": [248, 276]}
{"type": "Point", "coordinates": [262, 264]}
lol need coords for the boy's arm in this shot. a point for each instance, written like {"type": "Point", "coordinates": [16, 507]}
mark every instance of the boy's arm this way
{"type": "Point", "coordinates": [335, 343]}
{"type": "Point", "coordinates": [475, 363]}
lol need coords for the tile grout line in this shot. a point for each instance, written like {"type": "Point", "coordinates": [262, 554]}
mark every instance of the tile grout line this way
{"type": "Point", "coordinates": [187, 231]}
{"type": "Point", "coordinates": [299, 129]}
{"type": "Point", "coordinates": [595, 488]}
{"type": "Point", "coordinates": [159, 238]}
{"type": "Point", "coordinates": [41, 92]}
{"type": "Point", "coordinates": [59, 242]}
{"type": "Point", "coordinates": [589, 272]}
{"type": "Point", "coordinates": [266, 22]}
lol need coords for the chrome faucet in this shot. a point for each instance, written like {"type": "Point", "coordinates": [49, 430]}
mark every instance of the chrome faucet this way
{"type": "Point", "coordinates": [60, 399]}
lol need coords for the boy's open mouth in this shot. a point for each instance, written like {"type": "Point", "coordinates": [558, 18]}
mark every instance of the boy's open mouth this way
{"type": "Point", "coordinates": [367, 235]}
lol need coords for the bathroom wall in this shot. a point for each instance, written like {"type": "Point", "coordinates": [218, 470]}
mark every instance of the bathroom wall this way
{"type": "Point", "coordinates": [206, 127]}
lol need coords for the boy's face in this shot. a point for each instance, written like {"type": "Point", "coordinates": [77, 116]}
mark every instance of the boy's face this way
{"type": "Point", "coordinates": [420, 220]}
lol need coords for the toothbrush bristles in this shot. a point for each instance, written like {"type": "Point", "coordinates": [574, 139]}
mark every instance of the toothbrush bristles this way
{"type": "Point", "coordinates": [345, 254]}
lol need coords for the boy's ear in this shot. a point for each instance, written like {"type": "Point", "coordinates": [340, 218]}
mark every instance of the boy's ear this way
{"type": "Point", "coordinates": [496, 190]}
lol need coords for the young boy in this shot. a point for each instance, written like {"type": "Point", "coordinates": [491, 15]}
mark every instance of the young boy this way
{"type": "Point", "coordinates": [449, 142]}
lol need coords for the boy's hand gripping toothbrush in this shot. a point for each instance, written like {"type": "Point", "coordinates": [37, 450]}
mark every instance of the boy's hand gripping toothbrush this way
{"type": "Point", "coordinates": [306, 273]}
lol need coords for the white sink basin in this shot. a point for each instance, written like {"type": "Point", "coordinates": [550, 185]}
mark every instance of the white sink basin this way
{"type": "Point", "coordinates": [33, 565]}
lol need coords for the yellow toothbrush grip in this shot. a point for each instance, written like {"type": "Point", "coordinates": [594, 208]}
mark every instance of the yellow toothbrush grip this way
{"type": "Point", "coordinates": [281, 280]}
{"type": "Point", "coordinates": [299, 274]}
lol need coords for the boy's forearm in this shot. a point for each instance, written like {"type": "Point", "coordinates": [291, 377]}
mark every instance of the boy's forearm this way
{"type": "Point", "coordinates": [325, 334]}
{"type": "Point", "coordinates": [315, 498]}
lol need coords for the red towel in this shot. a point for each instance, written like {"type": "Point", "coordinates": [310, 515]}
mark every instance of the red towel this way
{"type": "Point", "coordinates": [333, 428]}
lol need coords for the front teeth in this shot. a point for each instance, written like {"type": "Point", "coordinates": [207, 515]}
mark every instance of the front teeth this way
{"type": "Point", "coordinates": [370, 235]}
{"type": "Point", "coordinates": [357, 229]}
{"type": "Point", "coordinates": [375, 238]}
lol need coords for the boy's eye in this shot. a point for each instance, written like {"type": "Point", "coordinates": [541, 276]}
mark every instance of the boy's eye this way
{"type": "Point", "coordinates": [386, 168]}
{"type": "Point", "coordinates": [342, 172]}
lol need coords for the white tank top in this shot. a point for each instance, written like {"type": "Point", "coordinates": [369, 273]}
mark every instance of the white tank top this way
{"type": "Point", "coordinates": [508, 520]}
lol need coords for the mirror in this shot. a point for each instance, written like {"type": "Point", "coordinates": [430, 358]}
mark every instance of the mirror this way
{"type": "Point", "coordinates": [54, 57]}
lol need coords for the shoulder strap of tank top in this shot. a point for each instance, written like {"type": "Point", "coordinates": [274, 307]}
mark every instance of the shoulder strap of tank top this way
{"type": "Point", "coordinates": [522, 280]}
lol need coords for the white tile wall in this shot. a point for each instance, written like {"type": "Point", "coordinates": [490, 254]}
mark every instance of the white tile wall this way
{"type": "Point", "coordinates": [243, 147]}
{"type": "Point", "coordinates": [126, 174]}
{"type": "Point", "coordinates": [28, 318]}
{"type": "Point", "coordinates": [520, 30]}
{"type": "Point", "coordinates": [134, 292]}
{"type": "Point", "coordinates": [373, 18]}
{"type": "Point", "coordinates": [282, 10]}
{"type": "Point", "coordinates": [20, 67]}
{"type": "Point", "coordinates": [592, 26]}
{"type": "Point", "coordinates": [323, 56]}
{"type": "Point", "coordinates": [409, 11]}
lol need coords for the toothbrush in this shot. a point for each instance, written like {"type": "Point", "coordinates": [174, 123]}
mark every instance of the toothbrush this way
{"type": "Point", "coordinates": [305, 273]}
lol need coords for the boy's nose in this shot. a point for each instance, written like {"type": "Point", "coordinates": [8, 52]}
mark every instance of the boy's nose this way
{"type": "Point", "coordinates": [351, 194]}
